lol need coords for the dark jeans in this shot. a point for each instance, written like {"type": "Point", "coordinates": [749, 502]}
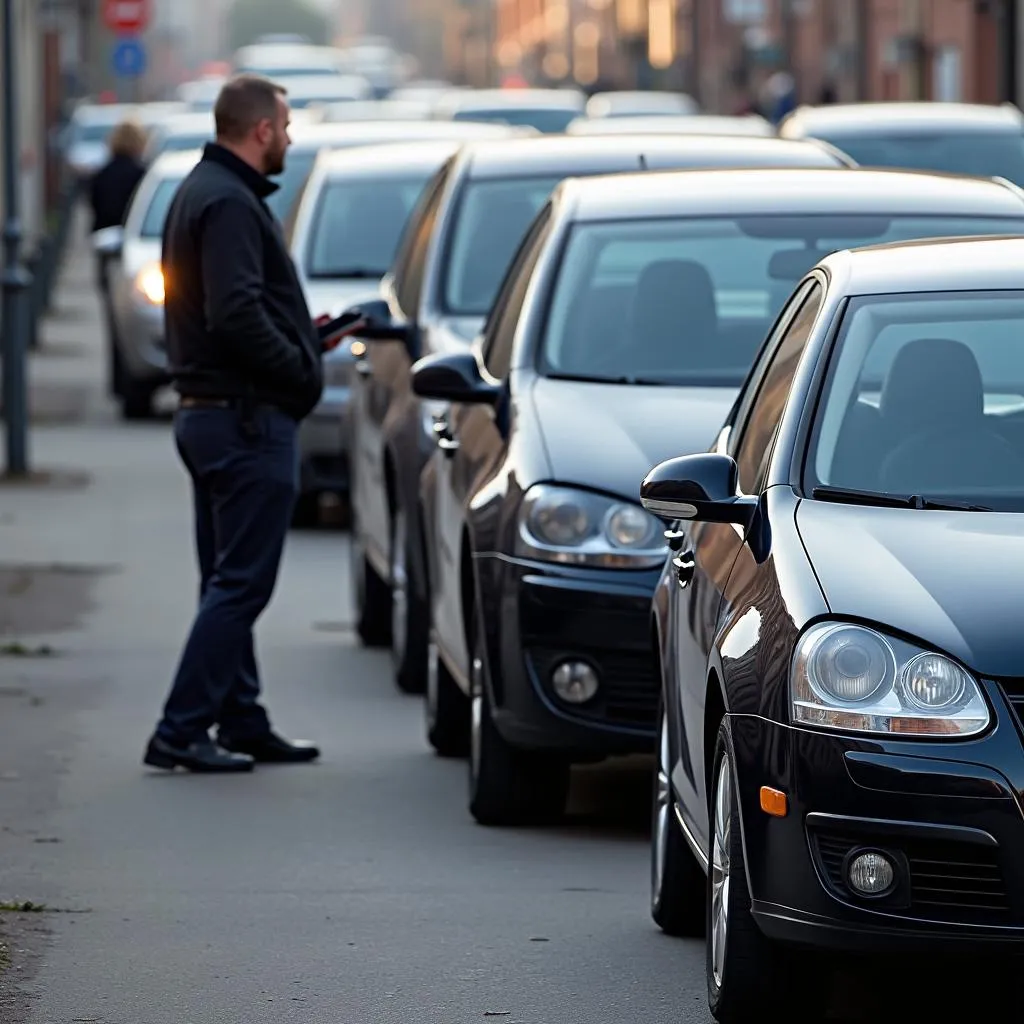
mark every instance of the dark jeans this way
{"type": "Point", "coordinates": [245, 489]}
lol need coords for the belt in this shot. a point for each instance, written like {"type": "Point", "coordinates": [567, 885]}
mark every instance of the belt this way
{"type": "Point", "coordinates": [188, 402]}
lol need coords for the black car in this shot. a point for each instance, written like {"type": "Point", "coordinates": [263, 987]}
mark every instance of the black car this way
{"type": "Point", "coordinates": [450, 263]}
{"type": "Point", "coordinates": [957, 138]}
{"type": "Point", "coordinates": [838, 631]}
{"type": "Point", "coordinates": [623, 331]}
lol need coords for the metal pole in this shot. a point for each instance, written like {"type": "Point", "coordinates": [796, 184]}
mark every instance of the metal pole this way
{"type": "Point", "coordinates": [15, 280]}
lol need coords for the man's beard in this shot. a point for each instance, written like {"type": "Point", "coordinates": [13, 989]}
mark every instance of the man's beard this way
{"type": "Point", "coordinates": [274, 163]}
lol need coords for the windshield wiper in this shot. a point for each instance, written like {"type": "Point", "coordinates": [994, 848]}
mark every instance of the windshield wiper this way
{"type": "Point", "coordinates": [856, 497]}
{"type": "Point", "coordinates": [584, 379]}
{"type": "Point", "coordinates": [349, 274]}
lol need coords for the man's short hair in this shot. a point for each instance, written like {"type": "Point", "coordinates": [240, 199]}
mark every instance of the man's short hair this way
{"type": "Point", "coordinates": [244, 101]}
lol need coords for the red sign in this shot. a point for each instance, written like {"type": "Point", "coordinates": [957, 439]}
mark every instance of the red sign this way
{"type": "Point", "coordinates": [126, 17]}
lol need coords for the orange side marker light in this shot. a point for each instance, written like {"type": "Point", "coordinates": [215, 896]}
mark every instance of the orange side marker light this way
{"type": "Point", "coordinates": [773, 802]}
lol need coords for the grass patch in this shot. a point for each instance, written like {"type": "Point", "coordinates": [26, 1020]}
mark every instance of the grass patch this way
{"type": "Point", "coordinates": [22, 907]}
{"type": "Point", "coordinates": [16, 649]}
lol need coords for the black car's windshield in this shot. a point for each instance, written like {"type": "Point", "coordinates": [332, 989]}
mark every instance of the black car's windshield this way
{"type": "Point", "coordinates": [358, 224]}
{"type": "Point", "coordinates": [544, 119]}
{"type": "Point", "coordinates": [491, 220]}
{"type": "Point", "coordinates": [925, 398]}
{"type": "Point", "coordinates": [298, 164]}
{"type": "Point", "coordinates": [159, 204]}
{"type": "Point", "coordinates": [688, 301]}
{"type": "Point", "coordinates": [984, 154]}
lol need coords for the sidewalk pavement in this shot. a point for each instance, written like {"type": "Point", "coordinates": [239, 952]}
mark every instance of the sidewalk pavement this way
{"type": "Point", "coordinates": [97, 591]}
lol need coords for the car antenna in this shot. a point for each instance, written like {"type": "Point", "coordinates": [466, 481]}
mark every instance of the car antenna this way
{"type": "Point", "coordinates": [643, 162]}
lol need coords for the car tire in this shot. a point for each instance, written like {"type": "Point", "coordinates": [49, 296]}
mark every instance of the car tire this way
{"type": "Point", "coordinates": [371, 597]}
{"type": "Point", "coordinates": [409, 613]}
{"type": "Point", "coordinates": [749, 977]}
{"type": "Point", "coordinates": [136, 399]}
{"type": "Point", "coordinates": [446, 707]}
{"type": "Point", "coordinates": [678, 883]}
{"type": "Point", "coordinates": [507, 785]}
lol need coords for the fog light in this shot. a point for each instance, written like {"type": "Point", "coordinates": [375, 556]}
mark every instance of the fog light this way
{"type": "Point", "coordinates": [870, 873]}
{"type": "Point", "coordinates": [575, 682]}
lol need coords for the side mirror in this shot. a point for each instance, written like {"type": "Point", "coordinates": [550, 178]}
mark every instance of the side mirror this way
{"type": "Point", "coordinates": [698, 487]}
{"type": "Point", "coordinates": [379, 326]}
{"type": "Point", "coordinates": [108, 241]}
{"type": "Point", "coordinates": [453, 378]}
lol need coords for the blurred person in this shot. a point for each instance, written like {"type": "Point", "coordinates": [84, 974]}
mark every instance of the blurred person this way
{"type": "Point", "coordinates": [245, 357]}
{"type": "Point", "coordinates": [110, 195]}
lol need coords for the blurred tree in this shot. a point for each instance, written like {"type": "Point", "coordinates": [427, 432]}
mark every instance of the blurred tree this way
{"type": "Point", "coordinates": [250, 19]}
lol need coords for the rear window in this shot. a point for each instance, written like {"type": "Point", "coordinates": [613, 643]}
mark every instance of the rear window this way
{"type": "Point", "coordinates": [543, 119]}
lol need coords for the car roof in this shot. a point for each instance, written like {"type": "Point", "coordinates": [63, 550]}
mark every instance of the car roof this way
{"type": "Point", "coordinates": [560, 154]}
{"type": "Point", "coordinates": [604, 104]}
{"type": "Point", "coordinates": [287, 55]}
{"type": "Point", "coordinates": [102, 113]}
{"type": "Point", "coordinates": [175, 163]}
{"type": "Point", "coordinates": [394, 158]}
{"type": "Point", "coordinates": [930, 265]}
{"type": "Point", "coordinates": [682, 124]}
{"type": "Point", "coordinates": [882, 118]}
{"type": "Point", "coordinates": [753, 191]}
{"type": "Point", "coordinates": [516, 99]}
{"type": "Point", "coordinates": [187, 123]}
{"type": "Point", "coordinates": [357, 133]}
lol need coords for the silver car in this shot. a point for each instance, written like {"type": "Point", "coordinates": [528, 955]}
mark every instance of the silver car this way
{"type": "Point", "coordinates": [137, 285]}
{"type": "Point", "coordinates": [346, 229]}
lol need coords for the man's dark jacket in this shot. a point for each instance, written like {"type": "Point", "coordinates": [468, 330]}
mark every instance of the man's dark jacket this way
{"type": "Point", "coordinates": [237, 322]}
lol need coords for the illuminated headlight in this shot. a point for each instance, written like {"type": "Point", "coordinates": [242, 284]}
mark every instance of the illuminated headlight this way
{"type": "Point", "coordinates": [854, 679]}
{"type": "Point", "coordinates": [576, 527]}
{"type": "Point", "coordinates": [149, 283]}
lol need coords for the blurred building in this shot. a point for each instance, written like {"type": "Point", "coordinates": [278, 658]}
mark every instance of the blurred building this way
{"type": "Point", "coordinates": [723, 50]}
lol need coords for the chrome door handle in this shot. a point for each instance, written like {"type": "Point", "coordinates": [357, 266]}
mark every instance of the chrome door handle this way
{"type": "Point", "coordinates": [685, 566]}
{"type": "Point", "coordinates": [448, 445]}
{"type": "Point", "coordinates": [363, 368]}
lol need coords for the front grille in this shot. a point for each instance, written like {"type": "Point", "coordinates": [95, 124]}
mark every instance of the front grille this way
{"type": "Point", "coordinates": [629, 685]}
{"type": "Point", "coordinates": [946, 880]}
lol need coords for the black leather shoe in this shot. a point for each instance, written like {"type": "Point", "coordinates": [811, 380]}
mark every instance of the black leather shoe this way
{"type": "Point", "coordinates": [203, 756]}
{"type": "Point", "coordinates": [271, 748]}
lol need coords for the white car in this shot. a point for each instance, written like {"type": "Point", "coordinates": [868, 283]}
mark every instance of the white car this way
{"type": "Point", "coordinates": [85, 137]}
{"type": "Point", "coordinates": [346, 228]}
{"type": "Point", "coordinates": [546, 110]}
{"type": "Point", "coordinates": [640, 104]}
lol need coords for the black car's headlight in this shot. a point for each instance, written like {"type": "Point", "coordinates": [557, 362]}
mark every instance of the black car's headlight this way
{"type": "Point", "coordinates": [577, 527]}
{"type": "Point", "coordinates": [854, 679]}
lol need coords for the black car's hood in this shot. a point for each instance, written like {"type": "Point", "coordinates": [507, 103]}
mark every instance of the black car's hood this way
{"type": "Point", "coordinates": [954, 580]}
{"type": "Point", "coordinates": [607, 436]}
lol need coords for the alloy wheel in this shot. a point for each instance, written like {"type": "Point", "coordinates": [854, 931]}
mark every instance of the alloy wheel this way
{"type": "Point", "coordinates": [476, 717]}
{"type": "Point", "coordinates": [662, 810]}
{"type": "Point", "coordinates": [720, 869]}
{"type": "Point", "coordinates": [431, 696]}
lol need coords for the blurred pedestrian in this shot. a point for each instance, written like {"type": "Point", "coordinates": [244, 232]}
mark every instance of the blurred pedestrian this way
{"type": "Point", "coordinates": [110, 195]}
{"type": "Point", "coordinates": [245, 358]}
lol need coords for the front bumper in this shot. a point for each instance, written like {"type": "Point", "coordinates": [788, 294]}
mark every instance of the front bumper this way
{"type": "Point", "coordinates": [141, 337]}
{"type": "Point", "coordinates": [322, 449]}
{"type": "Point", "coordinates": [946, 814]}
{"type": "Point", "coordinates": [550, 614]}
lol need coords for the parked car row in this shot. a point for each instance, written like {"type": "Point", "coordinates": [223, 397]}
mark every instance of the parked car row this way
{"type": "Point", "coordinates": [823, 383]}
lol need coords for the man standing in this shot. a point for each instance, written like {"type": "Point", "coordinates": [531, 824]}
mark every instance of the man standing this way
{"type": "Point", "coordinates": [245, 357]}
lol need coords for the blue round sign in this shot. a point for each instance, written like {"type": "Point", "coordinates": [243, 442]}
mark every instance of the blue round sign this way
{"type": "Point", "coordinates": [129, 58]}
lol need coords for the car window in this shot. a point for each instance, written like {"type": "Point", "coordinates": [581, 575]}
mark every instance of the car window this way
{"type": "Point", "coordinates": [544, 120]}
{"type": "Point", "coordinates": [984, 154]}
{"type": "Point", "coordinates": [489, 224]}
{"type": "Point", "coordinates": [501, 331]}
{"type": "Point", "coordinates": [765, 414]}
{"type": "Point", "coordinates": [159, 204]}
{"type": "Point", "coordinates": [410, 261]}
{"type": "Point", "coordinates": [689, 300]}
{"type": "Point", "coordinates": [926, 396]}
{"type": "Point", "coordinates": [357, 225]}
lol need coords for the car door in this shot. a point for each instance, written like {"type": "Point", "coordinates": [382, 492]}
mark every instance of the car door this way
{"type": "Point", "coordinates": [708, 555]}
{"type": "Point", "coordinates": [471, 445]}
{"type": "Point", "coordinates": [378, 371]}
